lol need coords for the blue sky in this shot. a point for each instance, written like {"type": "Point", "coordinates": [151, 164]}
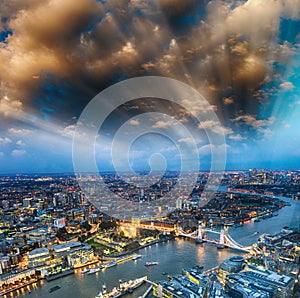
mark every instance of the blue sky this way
{"type": "Point", "coordinates": [242, 56]}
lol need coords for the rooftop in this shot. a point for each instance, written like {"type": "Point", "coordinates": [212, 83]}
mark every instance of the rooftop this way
{"type": "Point", "coordinates": [38, 251]}
{"type": "Point", "coordinates": [65, 246]}
{"type": "Point", "coordinates": [269, 276]}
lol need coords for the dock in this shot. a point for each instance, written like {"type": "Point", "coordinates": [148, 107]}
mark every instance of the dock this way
{"type": "Point", "coordinates": [59, 275]}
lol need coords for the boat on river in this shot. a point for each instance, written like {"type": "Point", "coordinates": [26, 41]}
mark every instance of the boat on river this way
{"type": "Point", "coordinates": [86, 270]}
{"type": "Point", "coordinates": [54, 289]}
{"type": "Point", "coordinates": [151, 263]}
{"type": "Point", "coordinates": [136, 257]}
{"type": "Point", "coordinates": [125, 287]}
{"type": "Point", "coordinates": [94, 270]}
{"type": "Point", "coordinates": [110, 264]}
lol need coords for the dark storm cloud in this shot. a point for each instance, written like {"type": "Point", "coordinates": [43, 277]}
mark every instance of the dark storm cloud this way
{"type": "Point", "coordinates": [227, 50]}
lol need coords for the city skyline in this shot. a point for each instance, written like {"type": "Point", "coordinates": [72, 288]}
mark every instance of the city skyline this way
{"type": "Point", "coordinates": [249, 231]}
{"type": "Point", "coordinates": [241, 56]}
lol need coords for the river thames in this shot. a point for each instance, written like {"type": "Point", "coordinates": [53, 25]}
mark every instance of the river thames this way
{"type": "Point", "coordinates": [172, 257]}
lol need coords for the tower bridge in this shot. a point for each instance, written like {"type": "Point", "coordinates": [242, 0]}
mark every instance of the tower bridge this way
{"type": "Point", "coordinates": [225, 240]}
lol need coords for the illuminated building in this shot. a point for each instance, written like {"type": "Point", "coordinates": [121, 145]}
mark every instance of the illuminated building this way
{"type": "Point", "coordinates": [265, 282]}
{"type": "Point", "coordinates": [9, 279]}
{"type": "Point", "coordinates": [27, 202]}
{"type": "Point", "coordinates": [231, 265]}
{"type": "Point", "coordinates": [38, 257]}
{"type": "Point", "coordinates": [76, 252]}
{"type": "Point", "coordinates": [195, 276]}
{"type": "Point", "coordinates": [78, 256]}
{"type": "Point", "coordinates": [93, 218]}
{"type": "Point", "coordinates": [60, 223]}
{"type": "Point", "coordinates": [4, 263]}
{"type": "Point", "coordinates": [178, 203]}
{"type": "Point", "coordinates": [14, 259]}
{"type": "Point", "coordinates": [284, 284]}
{"type": "Point", "coordinates": [37, 234]}
{"type": "Point", "coordinates": [5, 204]}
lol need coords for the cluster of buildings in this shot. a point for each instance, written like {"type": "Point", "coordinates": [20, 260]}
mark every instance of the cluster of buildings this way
{"type": "Point", "coordinates": [34, 211]}
{"type": "Point", "coordinates": [262, 176]}
{"type": "Point", "coordinates": [226, 209]}
{"type": "Point", "coordinates": [126, 188]}
{"type": "Point", "coordinates": [278, 183]}
{"type": "Point", "coordinates": [271, 270]}
{"type": "Point", "coordinates": [233, 278]}
{"type": "Point", "coordinates": [44, 222]}
{"type": "Point", "coordinates": [242, 280]}
{"type": "Point", "coordinates": [280, 252]}
{"type": "Point", "coordinates": [48, 261]}
{"type": "Point", "coordinates": [74, 253]}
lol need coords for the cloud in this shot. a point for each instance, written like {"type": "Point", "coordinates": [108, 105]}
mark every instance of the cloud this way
{"type": "Point", "coordinates": [17, 152]}
{"type": "Point", "coordinates": [287, 86]}
{"type": "Point", "coordinates": [198, 107]}
{"type": "Point", "coordinates": [253, 122]}
{"type": "Point", "coordinates": [134, 122]}
{"type": "Point", "coordinates": [262, 127]}
{"type": "Point", "coordinates": [60, 54]}
{"type": "Point", "coordinates": [20, 143]}
{"type": "Point", "coordinates": [236, 137]}
{"type": "Point", "coordinates": [1, 154]}
{"type": "Point", "coordinates": [5, 141]}
{"type": "Point", "coordinates": [68, 131]}
{"type": "Point", "coordinates": [161, 124]}
{"type": "Point", "coordinates": [18, 131]}
{"type": "Point", "coordinates": [188, 141]}
{"type": "Point", "coordinates": [214, 127]}
{"type": "Point", "coordinates": [10, 107]}
{"type": "Point", "coordinates": [266, 132]}
{"type": "Point", "coordinates": [209, 148]}
{"type": "Point", "coordinates": [35, 50]}
{"type": "Point", "coordinates": [227, 49]}
{"type": "Point", "coordinates": [228, 100]}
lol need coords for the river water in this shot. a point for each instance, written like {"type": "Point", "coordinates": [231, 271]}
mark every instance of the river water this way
{"type": "Point", "coordinates": [172, 257]}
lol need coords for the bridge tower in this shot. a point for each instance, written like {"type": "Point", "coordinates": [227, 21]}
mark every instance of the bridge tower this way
{"type": "Point", "coordinates": [226, 230]}
{"type": "Point", "coordinates": [199, 238]}
{"type": "Point", "coordinates": [200, 232]}
{"type": "Point", "coordinates": [221, 243]}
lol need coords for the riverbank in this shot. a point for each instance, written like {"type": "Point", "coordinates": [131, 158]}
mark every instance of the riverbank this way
{"type": "Point", "coordinates": [71, 271]}
{"type": "Point", "coordinates": [106, 257]}
{"type": "Point", "coordinates": [171, 256]}
{"type": "Point", "coordinates": [20, 286]}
